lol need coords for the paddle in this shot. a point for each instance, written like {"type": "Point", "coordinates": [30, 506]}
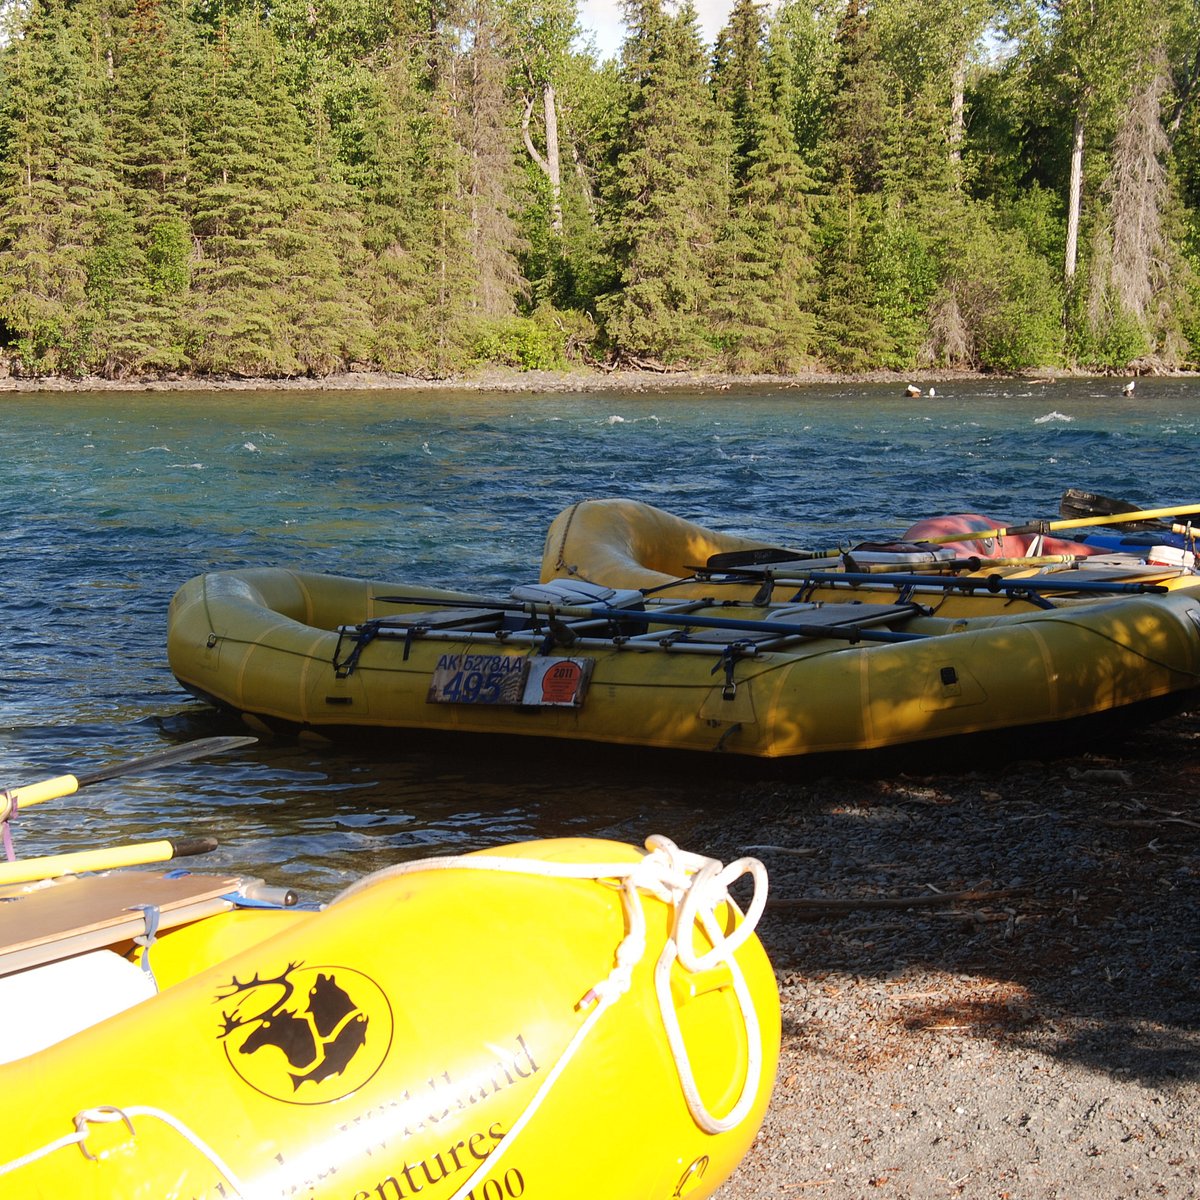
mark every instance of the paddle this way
{"type": "Point", "coordinates": [68, 785]}
{"type": "Point", "coordinates": [107, 858]}
{"type": "Point", "coordinates": [760, 555]}
{"type": "Point", "coordinates": [974, 535]}
{"type": "Point", "coordinates": [1106, 512]}
{"type": "Point", "coordinates": [1077, 503]}
{"type": "Point", "coordinates": [848, 632]}
{"type": "Point", "coordinates": [971, 583]}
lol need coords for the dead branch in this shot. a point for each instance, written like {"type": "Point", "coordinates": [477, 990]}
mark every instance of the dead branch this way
{"type": "Point", "coordinates": [923, 900]}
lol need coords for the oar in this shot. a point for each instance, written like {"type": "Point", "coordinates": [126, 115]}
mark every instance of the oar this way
{"type": "Point", "coordinates": [762, 556]}
{"type": "Point", "coordinates": [971, 583]}
{"type": "Point", "coordinates": [107, 858]}
{"type": "Point", "coordinates": [1077, 503]}
{"type": "Point", "coordinates": [975, 563]}
{"type": "Point", "coordinates": [848, 632]}
{"type": "Point", "coordinates": [974, 535]}
{"type": "Point", "coordinates": [68, 785]}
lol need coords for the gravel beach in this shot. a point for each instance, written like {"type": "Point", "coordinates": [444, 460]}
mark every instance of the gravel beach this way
{"type": "Point", "coordinates": [989, 976]}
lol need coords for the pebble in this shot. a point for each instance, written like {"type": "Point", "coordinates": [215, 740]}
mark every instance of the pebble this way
{"type": "Point", "coordinates": [967, 1046]}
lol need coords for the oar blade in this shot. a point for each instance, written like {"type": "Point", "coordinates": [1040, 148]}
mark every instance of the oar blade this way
{"type": "Point", "coordinates": [758, 556]}
{"type": "Point", "coordinates": [198, 748]}
{"type": "Point", "coordinates": [1077, 504]}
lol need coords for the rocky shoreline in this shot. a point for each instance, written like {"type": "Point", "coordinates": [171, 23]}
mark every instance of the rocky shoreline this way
{"type": "Point", "coordinates": [1038, 1037]}
{"type": "Point", "coordinates": [500, 380]}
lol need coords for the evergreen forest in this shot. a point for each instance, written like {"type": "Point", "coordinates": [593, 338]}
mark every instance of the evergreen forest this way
{"type": "Point", "coordinates": [236, 187]}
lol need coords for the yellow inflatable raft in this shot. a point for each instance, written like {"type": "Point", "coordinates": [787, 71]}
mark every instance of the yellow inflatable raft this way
{"type": "Point", "coordinates": [551, 1019]}
{"type": "Point", "coordinates": [627, 544]}
{"type": "Point", "coordinates": [566, 660]}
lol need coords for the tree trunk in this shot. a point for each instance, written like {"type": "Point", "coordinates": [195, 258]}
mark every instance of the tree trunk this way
{"type": "Point", "coordinates": [1075, 199]}
{"type": "Point", "coordinates": [549, 164]}
{"type": "Point", "coordinates": [957, 113]}
{"type": "Point", "coordinates": [553, 169]}
{"type": "Point", "coordinates": [1184, 91]}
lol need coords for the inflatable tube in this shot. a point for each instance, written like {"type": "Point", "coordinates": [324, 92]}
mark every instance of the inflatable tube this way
{"type": "Point", "coordinates": [558, 1018]}
{"type": "Point", "coordinates": [332, 654]}
{"type": "Point", "coordinates": [627, 544]}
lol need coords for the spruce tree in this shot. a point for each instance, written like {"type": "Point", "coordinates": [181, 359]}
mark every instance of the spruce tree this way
{"type": "Point", "coordinates": [667, 196]}
{"type": "Point", "coordinates": [487, 128]}
{"type": "Point", "coordinates": [768, 287]}
{"type": "Point", "coordinates": [270, 293]}
{"type": "Point", "coordinates": [56, 185]}
{"type": "Point", "coordinates": [415, 229]}
{"type": "Point", "coordinates": [155, 71]}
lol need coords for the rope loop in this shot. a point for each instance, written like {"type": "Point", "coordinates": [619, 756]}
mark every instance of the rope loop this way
{"type": "Point", "coordinates": [710, 888]}
{"type": "Point", "coordinates": [104, 1114]}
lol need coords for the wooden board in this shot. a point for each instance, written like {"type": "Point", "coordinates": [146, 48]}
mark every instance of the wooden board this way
{"type": "Point", "coordinates": [828, 616]}
{"type": "Point", "coordinates": [77, 913]}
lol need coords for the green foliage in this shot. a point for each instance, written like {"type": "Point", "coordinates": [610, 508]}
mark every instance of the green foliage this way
{"type": "Point", "coordinates": [1107, 339]}
{"type": "Point", "coordinates": [113, 257]}
{"type": "Point", "coordinates": [230, 186]}
{"type": "Point", "coordinates": [56, 181]}
{"type": "Point", "coordinates": [167, 258]}
{"type": "Point", "coordinates": [1037, 213]}
{"type": "Point", "coordinates": [996, 307]}
{"type": "Point", "coordinates": [667, 198]}
{"type": "Point", "coordinates": [522, 342]}
{"type": "Point", "coordinates": [879, 271]}
{"type": "Point", "coordinates": [766, 289]}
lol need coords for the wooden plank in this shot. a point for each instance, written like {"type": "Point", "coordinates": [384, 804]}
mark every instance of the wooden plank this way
{"type": "Point", "coordinates": [85, 908]}
{"type": "Point", "coordinates": [848, 614]}
{"type": "Point", "coordinates": [829, 616]}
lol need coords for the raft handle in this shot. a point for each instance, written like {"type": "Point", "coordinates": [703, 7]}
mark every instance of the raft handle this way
{"type": "Point", "coordinates": [107, 1114]}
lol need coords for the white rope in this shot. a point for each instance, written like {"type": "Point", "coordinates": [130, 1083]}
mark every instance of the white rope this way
{"type": "Point", "coordinates": [108, 1114]}
{"type": "Point", "coordinates": [694, 886]}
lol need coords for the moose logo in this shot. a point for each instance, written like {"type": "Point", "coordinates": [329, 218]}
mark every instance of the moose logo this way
{"type": "Point", "coordinates": [308, 1035]}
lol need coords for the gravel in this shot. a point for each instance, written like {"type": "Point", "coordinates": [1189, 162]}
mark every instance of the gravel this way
{"type": "Point", "coordinates": [1038, 1036]}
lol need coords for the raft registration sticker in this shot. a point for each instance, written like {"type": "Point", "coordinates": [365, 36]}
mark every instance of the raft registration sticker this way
{"type": "Point", "coordinates": [509, 679]}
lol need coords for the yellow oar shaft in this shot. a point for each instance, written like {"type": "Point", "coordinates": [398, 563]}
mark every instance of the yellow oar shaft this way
{"type": "Point", "coordinates": [37, 793]}
{"type": "Point", "coordinates": [1149, 514]}
{"type": "Point", "coordinates": [970, 535]}
{"type": "Point", "coordinates": [107, 858]}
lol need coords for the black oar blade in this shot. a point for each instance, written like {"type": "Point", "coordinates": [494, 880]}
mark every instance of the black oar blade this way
{"type": "Point", "coordinates": [165, 758]}
{"type": "Point", "coordinates": [185, 847]}
{"type": "Point", "coordinates": [757, 557]}
{"type": "Point", "coordinates": [1078, 505]}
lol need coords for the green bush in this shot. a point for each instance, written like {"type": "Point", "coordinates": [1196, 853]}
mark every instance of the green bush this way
{"type": "Point", "coordinates": [998, 306]}
{"type": "Point", "coordinates": [522, 342]}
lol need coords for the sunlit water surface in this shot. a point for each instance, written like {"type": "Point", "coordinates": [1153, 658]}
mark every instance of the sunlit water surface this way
{"type": "Point", "coordinates": [110, 501]}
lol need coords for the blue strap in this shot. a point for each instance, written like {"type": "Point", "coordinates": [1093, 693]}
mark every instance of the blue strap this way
{"type": "Point", "coordinates": [151, 914]}
{"type": "Point", "coordinates": [9, 806]}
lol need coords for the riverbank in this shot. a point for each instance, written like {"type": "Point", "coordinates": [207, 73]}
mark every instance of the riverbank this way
{"type": "Point", "coordinates": [499, 380]}
{"type": "Point", "coordinates": [1037, 1038]}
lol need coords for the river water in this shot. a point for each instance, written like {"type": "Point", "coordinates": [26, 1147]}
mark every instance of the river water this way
{"type": "Point", "coordinates": [110, 501]}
